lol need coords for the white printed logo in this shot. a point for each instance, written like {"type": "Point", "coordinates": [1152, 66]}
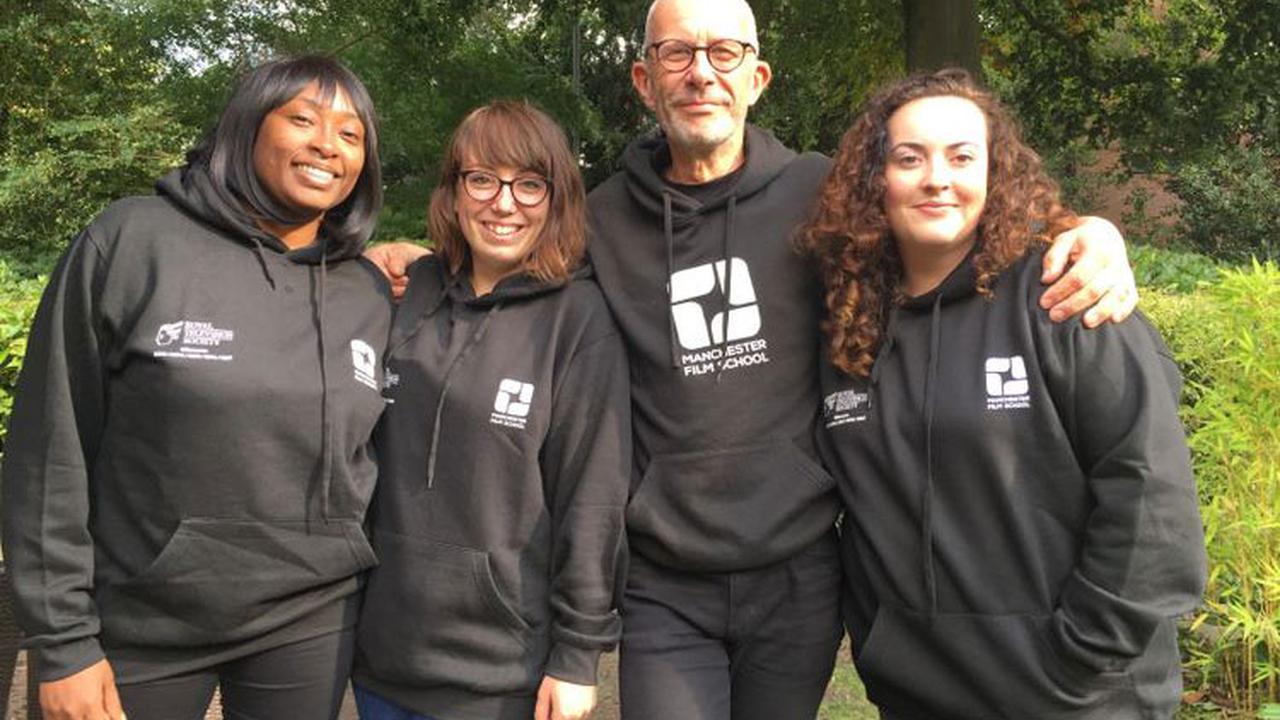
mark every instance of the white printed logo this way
{"type": "Point", "coordinates": [692, 327]}
{"type": "Point", "coordinates": [195, 340]}
{"type": "Point", "coordinates": [169, 333]}
{"type": "Point", "coordinates": [1007, 384]}
{"type": "Point", "coordinates": [511, 405]}
{"type": "Point", "coordinates": [846, 406]}
{"type": "Point", "coordinates": [364, 359]}
{"type": "Point", "coordinates": [697, 335]}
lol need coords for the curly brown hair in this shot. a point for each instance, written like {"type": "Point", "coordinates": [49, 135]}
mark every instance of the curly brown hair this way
{"type": "Point", "coordinates": [848, 233]}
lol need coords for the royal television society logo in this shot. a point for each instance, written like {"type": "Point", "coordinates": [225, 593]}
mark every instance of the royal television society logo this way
{"type": "Point", "coordinates": [846, 406]}
{"type": "Point", "coordinates": [512, 404]}
{"type": "Point", "coordinates": [716, 342]}
{"type": "Point", "coordinates": [193, 340]}
{"type": "Point", "coordinates": [364, 360]}
{"type": "Point", "coordinates": [1007, 385]}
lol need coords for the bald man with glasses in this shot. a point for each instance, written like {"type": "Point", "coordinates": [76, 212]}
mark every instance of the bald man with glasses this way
{"type": "Point", "coordinates": [732, 600]}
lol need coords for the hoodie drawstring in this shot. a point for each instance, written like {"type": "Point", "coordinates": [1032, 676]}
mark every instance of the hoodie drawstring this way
{"type": "Point", "coordinates": [926, 504]}
{"type": "Point", "coordinates": [474, 340]}
{"type": "Point", "coordinates": [886, 347]}
{"type": "Point", "coordinates": [671, 269]}
{"type": "Point", "coordinates": [262, 261]}
{"type": "Point", "coordinates": [728, 286]}
{"type": "Point", "coordinates": [326, 419]}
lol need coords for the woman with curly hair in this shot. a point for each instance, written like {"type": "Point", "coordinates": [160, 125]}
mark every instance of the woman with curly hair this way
{"type": "Point", "coordinates": [1022, 524]}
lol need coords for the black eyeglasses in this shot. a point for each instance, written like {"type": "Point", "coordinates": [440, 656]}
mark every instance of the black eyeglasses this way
{"type": "Point", "coordinates": [724, 55]}
{"type": "Point", "coordinates": [483, 186]}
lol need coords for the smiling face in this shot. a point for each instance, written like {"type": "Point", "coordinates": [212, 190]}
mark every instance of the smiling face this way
{"type": "Point", "coordinates": [500, 233]}
{"type": "Point", "coordinates": [936, 175]}
{"type": "Point", "coordinates": [701, 110]}
{"type": "Point", "coordinates": [309, 153]}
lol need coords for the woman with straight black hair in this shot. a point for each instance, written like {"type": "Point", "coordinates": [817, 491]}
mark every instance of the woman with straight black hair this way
{"type": "Point", "coordinates": [188, 464]}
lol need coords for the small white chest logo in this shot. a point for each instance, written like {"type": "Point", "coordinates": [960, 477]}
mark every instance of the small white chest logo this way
{"type": "Point", "coordinates": [512, 403]}
{"type": "Point", "coordinates": [364, 360]}
{"type": "Point", "coordinates": [1007, 384]}
{"type": "Point", "coordinates": [846, 406]}
{"type": "Point", "coordinates": [701, 339]}
{"type": "Point", "coordinates": [193, 340]}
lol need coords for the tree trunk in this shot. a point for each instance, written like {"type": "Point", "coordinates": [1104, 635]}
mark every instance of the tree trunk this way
{"type": "Point", "coordinates": [942, 33]}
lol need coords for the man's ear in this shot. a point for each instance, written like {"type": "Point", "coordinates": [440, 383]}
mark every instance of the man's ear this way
{"type": "Point", "coordinates": [640, 81]}
{"type": "Point", "coordinates": [761, 76]}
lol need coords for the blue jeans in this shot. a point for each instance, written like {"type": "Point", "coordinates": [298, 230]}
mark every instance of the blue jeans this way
{"type": "Point", "coordinates": [372, 706]}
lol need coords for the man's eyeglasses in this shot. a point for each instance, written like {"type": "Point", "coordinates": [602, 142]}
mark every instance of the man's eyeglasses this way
{"type": "Point", "coordinates": [483, 186]}
{"type": "Point", "coordinates": [724, 55]}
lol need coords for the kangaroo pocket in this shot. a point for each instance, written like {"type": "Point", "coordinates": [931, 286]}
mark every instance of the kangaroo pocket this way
{"type": "Point", "coordinates": [730, 509]}
{"type": "Point", "coordinates": [433, 615]}
{"type": "Point", "coordinates": [984, 666]}
{"type": "Point", "coordinates": [219, 581]}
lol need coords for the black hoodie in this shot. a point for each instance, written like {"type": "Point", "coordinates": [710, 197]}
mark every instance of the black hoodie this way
{"type": "Point", "coordinates": [499, 510]}
{"type": "Point", "coordinates": [188, 461]}
{"type": "Point", "coordinates": [724, 476]}
{"type": "Point", "coordinates": [1022, 522]}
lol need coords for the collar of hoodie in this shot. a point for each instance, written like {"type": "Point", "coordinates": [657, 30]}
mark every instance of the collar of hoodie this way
{"type": "Point", "coordinates": [455, 291]}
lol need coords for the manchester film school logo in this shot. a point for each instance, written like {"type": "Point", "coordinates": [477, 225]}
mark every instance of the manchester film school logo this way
{"type": "Point", "coordinates": [364, 360]}
{"type": "Point", "coordinates": [512, 403]}
{"type": "Point", "coordinates": [690, 285]}
{"type": "Point", "coordinates": [1007, 384]}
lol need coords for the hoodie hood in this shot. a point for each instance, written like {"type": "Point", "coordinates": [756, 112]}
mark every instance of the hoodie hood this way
{"type": "Point", "coordinates": [438, 286]}
{"type": "Point", "coordinates": [646, 159]}
{"type": "Point", "coordinates": [715, 304]}
{"type": "Point", "coordinates": [1021, 509]}
{"type": "Point", "coordinates": [194, 191]}
{"type": "Point", "coordinates": [510, 289]}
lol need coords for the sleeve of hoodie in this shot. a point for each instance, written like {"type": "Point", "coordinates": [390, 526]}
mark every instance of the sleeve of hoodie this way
{"type": "Point", "coordinates": [586, 464]}
{"type": "Point", "coordinates": [1142, 559]}
{"type": "Point", "coordinates": [53, 437]}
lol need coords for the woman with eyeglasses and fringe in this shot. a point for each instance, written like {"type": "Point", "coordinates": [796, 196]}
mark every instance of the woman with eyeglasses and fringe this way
{"type": "Point", "coordinates": [505, 452]}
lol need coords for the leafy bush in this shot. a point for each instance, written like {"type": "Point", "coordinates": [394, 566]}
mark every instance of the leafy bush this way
{"type": "Point", "coordinates": [1179, 270]}
{"type": "Point", "coordinates": [49, 192]}
{"type": "Point", "coordinates": [1226, 336]}
{"type": "Point", "coordinates": [18, 299]}
{"type": "Point", "coordinates": [1231, 204]}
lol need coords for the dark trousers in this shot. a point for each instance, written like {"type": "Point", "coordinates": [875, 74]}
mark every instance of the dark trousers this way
{"type": "Point", "coordinates": [759, 644]}
{"type": "Point", "coordinates": [305, 679]}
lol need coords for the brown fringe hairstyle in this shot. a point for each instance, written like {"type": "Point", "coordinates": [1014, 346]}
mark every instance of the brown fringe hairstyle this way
{"type": "Point", "coordinates": [848, 233]}
{"type": "Point", "coordinates": [515, 133]}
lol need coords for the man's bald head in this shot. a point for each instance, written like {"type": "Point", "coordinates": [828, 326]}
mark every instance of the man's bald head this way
{"type": "Point", "coordinates": [737, 7]}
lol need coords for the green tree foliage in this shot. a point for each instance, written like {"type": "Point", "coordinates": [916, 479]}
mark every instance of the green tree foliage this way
{"type": "Point", "coordinates": [1184, 89]}
{"type": "Point", "coordinates": [81, 121]}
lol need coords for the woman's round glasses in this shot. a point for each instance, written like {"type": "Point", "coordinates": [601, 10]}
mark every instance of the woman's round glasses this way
{"type": "Point", "coordinates": [483, 186]}
{"type": "Point", "coordinates": [724, 55]}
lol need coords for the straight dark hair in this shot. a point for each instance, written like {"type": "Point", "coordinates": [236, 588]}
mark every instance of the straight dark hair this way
{"type": "Point", "coordinates": [226, 152]}
{"type": "Point", "coordinates": [515, 133]}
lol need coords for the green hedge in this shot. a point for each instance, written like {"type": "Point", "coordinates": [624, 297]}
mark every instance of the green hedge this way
{"type": "Point", "coordinates": [18, 299]}
{"type": "Point", "coordinates": [1226, 338]}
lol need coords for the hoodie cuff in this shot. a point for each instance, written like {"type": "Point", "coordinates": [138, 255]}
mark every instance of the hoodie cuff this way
{"type": "Point", "coordinates": [573, 664]}
{"type": "Point", "coordinates": [55, 662]}
{"type": "Point", "coordinates": [1100, 630]}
